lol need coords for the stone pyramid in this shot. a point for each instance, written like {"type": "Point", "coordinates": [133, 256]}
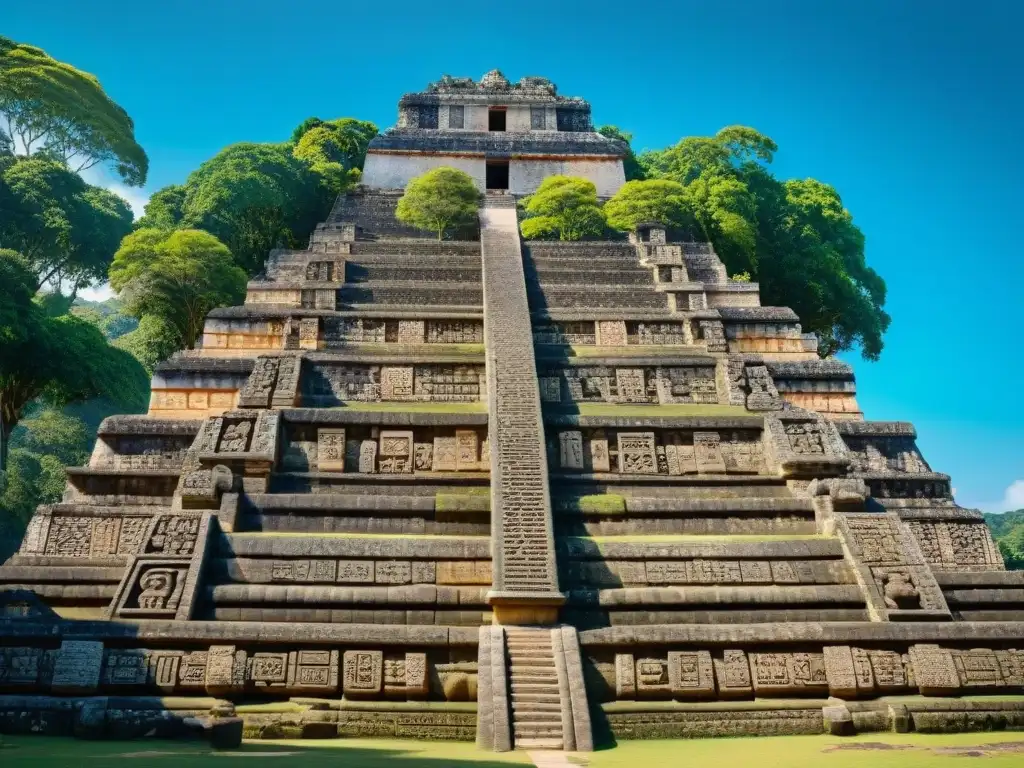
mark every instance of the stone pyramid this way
{"type": "Point", "coordinates": [528, 493]}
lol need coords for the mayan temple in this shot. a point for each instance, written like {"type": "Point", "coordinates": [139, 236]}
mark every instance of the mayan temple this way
{"type": "Point", "coordinates": [532, 494]}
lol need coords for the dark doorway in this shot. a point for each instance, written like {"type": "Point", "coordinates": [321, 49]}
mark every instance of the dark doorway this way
{"type": "Point", "coordinates": [496, 119]}
{"type": "Point", "coordinates": [497, 174]}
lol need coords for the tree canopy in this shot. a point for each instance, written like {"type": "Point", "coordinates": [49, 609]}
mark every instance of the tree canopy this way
{"type": "Point", "coordinates": [793, 237]}
{"type": "Point", "coordinates": [67, 230]}
{"type": "Point", "coordinates": [563, 207]}
{"type": "Point", "coordinates": [51, 106]}
{"type": "Point", "coordinates": [658, 200]}
{"type": "Point", "coordinates": [177, 276]}
{"type": "Point", "coordinates": [58, 359]}
{"type": "Point", "coordinates": [630, 164]}
{"type": "Point", "coordinates": [441, 200]}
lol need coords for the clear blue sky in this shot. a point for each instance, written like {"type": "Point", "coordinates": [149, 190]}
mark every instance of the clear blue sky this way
{"type": "Point", "coordinates": [912, 110]}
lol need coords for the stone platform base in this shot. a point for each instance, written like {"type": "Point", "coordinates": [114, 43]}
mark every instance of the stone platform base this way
{"type": "Point", "coordinates": [673, 720]}
{"type": "Point", "coordinates": [123, 717]}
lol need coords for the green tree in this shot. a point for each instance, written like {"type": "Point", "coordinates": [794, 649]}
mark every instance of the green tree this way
{"type": "Point", "coordinates": [441, 200]}
{"type": "Point", "coordinates": [63, 360]}
{"type": "Point", "coordinates": [634, 171]}
{"type": "Point", "coordinates": [165, 209]}
{"type": "Point", "coordinates": [67, 230]}
{"type": "Point", "coordinates": [254, 197]}
{"type": "Point", "coordinates": [47, 104]}
{"type": "Point", "coordinates": [178, 276]}
{"type": "Point", "coordinates": [565, 207]}
{"type": "Point", "coordinates": [343, 141]}
{"type": "Point", "coordinates": [795, 238]}
{"type": "Point", "coordinates": [654, 200]}
{"type": "Point", "coordinates": [152, 342]}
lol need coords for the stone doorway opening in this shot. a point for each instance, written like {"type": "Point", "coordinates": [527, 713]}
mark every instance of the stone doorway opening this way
{"type": "Point", "coordinates": [496, 119]}
{"type": "Point", "coordinates": [497, 175]}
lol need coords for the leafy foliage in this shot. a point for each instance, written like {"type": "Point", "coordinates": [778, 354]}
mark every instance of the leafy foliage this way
{"type": "Point", "coordinates": [152, 342]}
{"type": "Point", "coordinates": [176, 276]}
{"type": "Point", "coordinates": [105, 315]}
{"type": "Point", "coordinates": [441, 200]}
{"type": "Point", "coordinates": [1008, 532]}
{"type": "Point", "coordinates": [641, 201]}
{"type": "Point", "coordinates": [563, 207]}
{"type": "Point", "coordinates": [60, 360]}
{"type": "Point", "coordinates": [50, 105]}
{"type": "Point", "coordinates": [630, 164]}
{"type": "Point", "coordinates": [66, 229]}
{"type": "Point", "coordinates": [793, 237]}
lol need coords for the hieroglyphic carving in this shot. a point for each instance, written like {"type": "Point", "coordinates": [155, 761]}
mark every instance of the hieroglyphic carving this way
{"type": "Point", "coordinates": [192, 670]}
{"type": "Point", "coordinates": [733, 674]}
{"type": "Point", "coordinates": [309, 333]}
{"type": "Point", "coordinates": [363, 673]}
{"type": "Point", "coordinates": [423, 460]}
{"type": "Point", "coordinates": [636, 453]}
{"type": "Point", "coordinates": [156, 589]}
{"type": "Point", "coordinates": [259, 387]}
{"type": "Point", "coordinates": [77, 666]}
{"type": "Point", "coordinates": [225, 669]}
{"type": "Point", "coordinates": [20, 667]}
{"type": "Point", "coordinates": [355, 571]}
{"type": "Point", "coordinates": [762, 394]}
{"type": "Point", "coordinates": [173, 535]}
{"type": "Point", "coordinates": [691, 674]}
{"type": "Point", "coordinates": [330, 450]}
{"type": "Point", "coordinates": [570, 449]}
{"type": "Point", "coordinates": [466, 449]}
{"type": "Point", "coordinates": [631, 385]}
{"type": "Point", "coordinates": [788, 672]}
{"type": "Point", "coordinates": [651, 678]}
{"type": "Point", "coordinates": [444, 454]}
{"type": "Point", "coordinates": [396, 451]}
{"type": "Point", "coordinates": [416, 681]}
{"type": "Point", "coordinates": [600, 457]}
{"type": "Point", "coordinates": [267, 670]}
{"type": "Point", "coordinates": [805, 438]}
{"type": "Point", "coordinates": [396, 382]}
{"type": "Point", "coordinates": [235, 437]}
{"type": "Point", "coordinates": [393, 572]}
{"type": "Point", "coordinates": [313, 671]}
{"type": "Point", "coordinates": [707, 451]}
{"type": "Point", "coordinates": [411, 331]}
{"type": "Point", "coordinates": [935, 672]}
{"type": "Point", "coordinates": [368, 456]}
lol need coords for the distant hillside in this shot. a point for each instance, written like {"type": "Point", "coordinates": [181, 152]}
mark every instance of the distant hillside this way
{"type": "Point", "coordinates": [105, 315]}
{"type": "Point", "coordinates": [1008, 531]}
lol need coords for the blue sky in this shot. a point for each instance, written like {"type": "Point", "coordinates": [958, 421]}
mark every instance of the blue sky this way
{"type": "Point", "coordinates": [912, 110]}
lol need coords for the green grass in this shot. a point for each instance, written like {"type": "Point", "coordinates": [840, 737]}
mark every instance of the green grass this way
{"type": "Point", "coordinates": [358, 405]}
{"type": "Point", "coordinates": [47, 752]}
{"type": "Point", "coordinates": [925, 751]}
{"type": "Point", "coordinates": [876, 750]}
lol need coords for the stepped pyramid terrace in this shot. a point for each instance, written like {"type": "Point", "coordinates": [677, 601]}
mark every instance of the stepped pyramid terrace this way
{"type": "Point", "coordinates": [533, 494]}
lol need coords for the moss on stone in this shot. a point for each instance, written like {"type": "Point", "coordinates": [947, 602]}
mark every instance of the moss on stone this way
{"type": "Point", "coordinates": [271, 708]}
{"type": "Point", "coordinates": [463, 502]}
{"type": "Point", "coordinates": [669, 538]}
{"type": "Point", "coordinates": [596, 504]}
{"type": "Point", "coordinates": [661, 411]}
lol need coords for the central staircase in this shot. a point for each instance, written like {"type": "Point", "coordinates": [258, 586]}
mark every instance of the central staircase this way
{"type": "Point", "coordinates": [536, 689]}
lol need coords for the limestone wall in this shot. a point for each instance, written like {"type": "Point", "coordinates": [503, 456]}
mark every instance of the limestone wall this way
{"type": "Point", "coordinates": [391, 171]}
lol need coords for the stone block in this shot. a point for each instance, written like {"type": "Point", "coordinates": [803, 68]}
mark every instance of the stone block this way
{"type": "Point", "coordinates": [330, 450]}
{"type": "Point", "coordinates": [77, 667]}
{"type": "Point", "coordinates": [363, 673]}
{"type": "Point", "coordinates": [691, 674]}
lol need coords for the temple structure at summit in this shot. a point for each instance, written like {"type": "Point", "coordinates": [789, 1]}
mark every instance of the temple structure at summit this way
{"type": "Point", "coordinates": [530, 493]}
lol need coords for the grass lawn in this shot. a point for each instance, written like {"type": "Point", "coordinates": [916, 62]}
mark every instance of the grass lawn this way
{"type": "Point", "coordinates": [869, 750]}
{"type": "Point", "coordinates": [45, 752]}
{"type": "Point", "coordinates": [875, 750]}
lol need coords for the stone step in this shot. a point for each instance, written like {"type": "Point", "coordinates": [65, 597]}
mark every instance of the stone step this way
{"type": "Point", "coordinates": [537, 720]}
{"type": "Point", "coordinates": [524, 650]}
{"type": "Point", "coordinates": [536, 698]}
{"type": "Point", "coordinates": [538, 730]}
{"type": "Point", "coordinates": [531, 744]}
{"type": "Point", "coordinates": [535, 667]}
{"type": "Point", "coordinates": [551, 679]}
{"type": "Point", "coordinates": [545, 688]}
{"type": "Point", "coordinates": [536, 706]}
